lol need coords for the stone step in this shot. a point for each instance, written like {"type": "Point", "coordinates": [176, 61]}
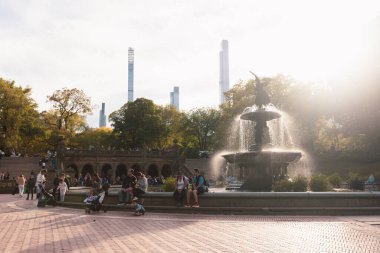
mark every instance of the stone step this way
{"type": "Point", "coordinates": [241, 210]}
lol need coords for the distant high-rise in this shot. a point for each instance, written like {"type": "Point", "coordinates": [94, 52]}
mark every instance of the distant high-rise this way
{"type": "Point", "coordinates": [224, 75]}
{"type": "Point", "coordinates": [174, 97]}
{"type": "Point", "coordinates": [102, 116]}
{"type": "Point", "coordinates": [131, 56]}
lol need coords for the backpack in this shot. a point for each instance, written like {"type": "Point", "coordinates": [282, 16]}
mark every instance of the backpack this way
{"type": "Point", "coordinates": [206, 183]}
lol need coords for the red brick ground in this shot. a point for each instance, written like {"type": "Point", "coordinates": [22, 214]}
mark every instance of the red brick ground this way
{"type": "Point", "coordinates": [24, 228]}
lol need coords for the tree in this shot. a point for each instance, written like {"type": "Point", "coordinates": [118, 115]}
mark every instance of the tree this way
{"type": "Point", "coordinates": [200, 127]}
{"type": "Point", "coordinates": [138, 124]}
{"type": "Point", "coordinates": [69, 103]}
{"type": "Point", "coordinates": [173, 132]}
{"type": "Point", "coordinates": [99, 138]}
{"type": "Point", "coordinates": [70, 106]}
{"type": "Point", "coordinates": [18, 118]}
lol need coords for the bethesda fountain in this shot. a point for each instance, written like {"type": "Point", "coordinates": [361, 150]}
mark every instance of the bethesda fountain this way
{"type": "Point", "coordinates": [262, 163]}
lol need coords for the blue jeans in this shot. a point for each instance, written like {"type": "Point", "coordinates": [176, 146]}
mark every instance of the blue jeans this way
{"type": "Point", "coordinates": [124, 197]}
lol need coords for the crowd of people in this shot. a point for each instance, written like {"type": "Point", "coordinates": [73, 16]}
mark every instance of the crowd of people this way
{"type": "Point", "coordinates": [4, 175]}
{"type": "Point", "coordinates": [133, 186]}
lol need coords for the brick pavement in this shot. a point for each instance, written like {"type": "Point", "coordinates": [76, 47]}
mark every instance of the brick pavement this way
{"type": "Point", "coordinates": [24, 228]}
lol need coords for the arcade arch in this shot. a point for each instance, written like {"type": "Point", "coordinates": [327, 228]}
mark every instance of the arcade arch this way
{"type": "Point", "coordinates": [166, 171]}
{"type": "Point", "coordinates": [87, 168]}
{"type": "Point", "coordinates": [153, 170]}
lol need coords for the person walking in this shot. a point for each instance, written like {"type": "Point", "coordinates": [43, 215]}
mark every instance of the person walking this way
{"type": "Point", "coordinates": [21, 185]}
{"type": "Point", "coordinates": [31, 183]}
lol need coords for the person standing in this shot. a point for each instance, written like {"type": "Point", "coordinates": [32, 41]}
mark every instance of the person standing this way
{"type": "Point", "coordinates": [6, 175]}
{"type": "Point", "coordinates": [30, 184]}
{"type": "Point", "coordinates": [40, 182]}
{"type": "Point", "coordinates": [55, 185]}
{"type": "Point", "coordinates": [21, 185]}
{"type": "Point", "coordinates": [62, 187]}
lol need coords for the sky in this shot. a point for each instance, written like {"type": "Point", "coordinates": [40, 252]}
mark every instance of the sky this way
{"type": "Point", "coordinates": [48, 45]}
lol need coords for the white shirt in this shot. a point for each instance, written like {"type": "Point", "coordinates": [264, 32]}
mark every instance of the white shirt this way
{"type": "Point", "coordinates": [181, 183]}
{"type": "Point", "coordinates": [40, 179]}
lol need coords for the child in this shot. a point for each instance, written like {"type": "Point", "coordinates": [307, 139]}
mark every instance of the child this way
{"type": "Point", "coordinates": [62, 187]}
{"type": "Point", "coordinates": [90, 197]}
{"type": "Point", "coordinates": [139, 208]}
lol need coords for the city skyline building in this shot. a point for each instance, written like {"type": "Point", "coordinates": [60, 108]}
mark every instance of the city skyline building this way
{"type": "Point", "coordinates": [174, 97]}
{"type": "Point", "coordinates": [224, 75]}
{"type": "Point", "coordinates": [102, 116]}
{"type": "Point", "coordinates": [131, 62]}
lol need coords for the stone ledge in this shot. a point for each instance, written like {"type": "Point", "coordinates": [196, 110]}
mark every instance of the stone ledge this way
{"type": "Point", "coordinates": [242, 210]}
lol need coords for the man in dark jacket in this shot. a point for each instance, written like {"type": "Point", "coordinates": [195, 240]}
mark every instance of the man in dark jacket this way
{"type": "Point", "coordinates": [125, 193]}
{"type": "Point", "coordinates": [31, 183]}
{"type": "Point", "coordinates": [55, 183]}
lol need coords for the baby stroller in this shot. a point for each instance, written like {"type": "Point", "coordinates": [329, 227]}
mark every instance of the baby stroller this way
{"type": "Point", "coordinates": [45, 198]}
{"type": "Point", "coordinates": [94, 203]}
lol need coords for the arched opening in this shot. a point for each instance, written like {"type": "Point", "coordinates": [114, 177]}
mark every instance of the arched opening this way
{"type": "Point", "coordinates": [136, 169]}
{"type": "Point", "coordinates": [121, 171]}
{"type": "Point", "coordinates": [166, 171]}
{"type": "Point", "coordinates": [106, 171]}
{"type": "Point", "coordinates": [72, 170]}
{"type": "Point", "coordinates": [153, 170]}
{"type": "Point", "coordinates": [87, 168]}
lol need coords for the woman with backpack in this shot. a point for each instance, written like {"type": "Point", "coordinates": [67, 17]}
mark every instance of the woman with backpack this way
{"type": "Point", "coordinates": [198, 187]}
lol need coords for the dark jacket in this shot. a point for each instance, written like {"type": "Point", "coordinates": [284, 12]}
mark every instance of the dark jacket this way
{"type": "Point", "coordinates": [129, 181]}
{"type": "Point", "coordinates": [31, 182]}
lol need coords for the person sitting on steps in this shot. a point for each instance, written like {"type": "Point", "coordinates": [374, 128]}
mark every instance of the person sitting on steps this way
{"type": "Point", "coordinates": [126, 192]}
{"type": "Point", "coordinates": [198, 187]}
{"type": "Point", "coordinates": [181, 185]}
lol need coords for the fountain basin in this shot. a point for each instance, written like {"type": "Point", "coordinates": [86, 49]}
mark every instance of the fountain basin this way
{"type": "Point", "coordinates": [255, 157]}
{"type": "Point", "coordinates": [260, 115]}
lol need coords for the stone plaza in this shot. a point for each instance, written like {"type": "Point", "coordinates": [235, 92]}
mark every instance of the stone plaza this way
{"type": "Point", "coordinates": [26, 228]}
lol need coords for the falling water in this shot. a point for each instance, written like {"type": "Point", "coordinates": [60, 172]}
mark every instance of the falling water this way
{"type": "Point", "coordinates": [233, 140]}
{"type": "Point", "coordinates": [281, 131]}
{"type": "Point", "coordinates": [303, 167]}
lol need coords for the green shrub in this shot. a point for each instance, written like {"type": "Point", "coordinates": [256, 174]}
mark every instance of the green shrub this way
{"type": "Point", "coordinates": [300, 184]}
{"type": "Point", "coordinates": [319, 183]}
{"type": "Point", "coordinates": [335, 180]}
{"type": "Point", "coordinates": [169, 185]}
{"type": "Point", "coordinates": [283, 185]}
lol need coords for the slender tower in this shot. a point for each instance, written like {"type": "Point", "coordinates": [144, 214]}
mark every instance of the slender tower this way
{"type": "Point", "coordinates": [131, 56]}
{"type": "Point", "coordinates": [174, 97]}
{"type": "Point", "coordinates": [102, 116]}
{"type": "Point", "coordinates": [224, 75]}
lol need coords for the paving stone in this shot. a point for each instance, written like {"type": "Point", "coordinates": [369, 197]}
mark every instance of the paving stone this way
{"type": "Point", "coordinates": [26, 228]}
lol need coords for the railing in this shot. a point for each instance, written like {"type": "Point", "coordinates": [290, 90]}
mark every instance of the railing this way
{"type": "Point", "coordinates": [142, 153]}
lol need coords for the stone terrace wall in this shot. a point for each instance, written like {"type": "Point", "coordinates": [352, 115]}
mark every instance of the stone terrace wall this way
{"type": "Point", "coordinates": [19, 165]}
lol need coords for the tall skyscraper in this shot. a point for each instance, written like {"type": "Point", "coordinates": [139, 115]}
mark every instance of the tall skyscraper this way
{"type": "Point", "coordinates": [224, 75]}
{"type": "Point", "coordinates": [131, 60]}
{"type": "Point", "coordinates": [102, 116]}
{"type": "Point", "coordinates": [174, 97]}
